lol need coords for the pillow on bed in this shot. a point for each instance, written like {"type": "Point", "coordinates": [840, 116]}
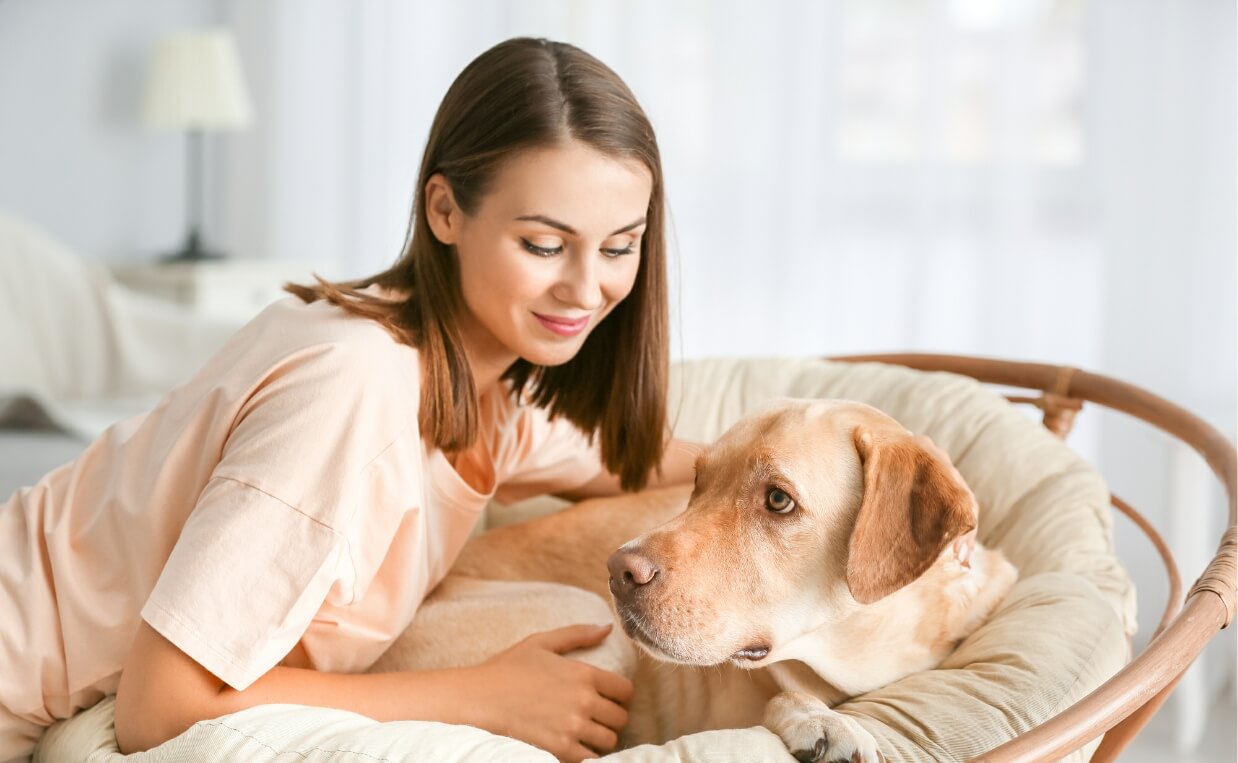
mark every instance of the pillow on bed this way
{"type": "Point", "coordinates": [1061, 632]}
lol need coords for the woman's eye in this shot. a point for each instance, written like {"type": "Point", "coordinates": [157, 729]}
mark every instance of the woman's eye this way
{"type": "Point", "coordinates": [618, 252]}
{"type": "Point", "coordinates": [778, 501]}
{"type": "Point", "coordinates": [540, 251]}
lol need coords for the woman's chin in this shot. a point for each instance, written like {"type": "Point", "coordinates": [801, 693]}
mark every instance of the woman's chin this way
{"type": "Point", "coordinates": [553, 354]}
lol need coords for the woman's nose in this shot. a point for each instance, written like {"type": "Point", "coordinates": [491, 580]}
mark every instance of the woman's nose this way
{"type": "Point", "coordinates": [579, 285]}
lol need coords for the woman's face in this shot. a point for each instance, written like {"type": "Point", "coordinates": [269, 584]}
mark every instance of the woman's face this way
{"type": "Point", "coordinates": [552, 248]}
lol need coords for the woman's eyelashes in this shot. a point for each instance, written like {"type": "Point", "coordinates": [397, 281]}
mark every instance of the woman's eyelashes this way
{"type": "Point", "coordinates": [540, 251]}
{"type": "Point", "coordinates": [546, 251]}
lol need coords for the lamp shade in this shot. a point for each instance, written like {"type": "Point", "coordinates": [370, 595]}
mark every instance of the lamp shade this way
{"type": "Point", "coordinates": [195, 81]}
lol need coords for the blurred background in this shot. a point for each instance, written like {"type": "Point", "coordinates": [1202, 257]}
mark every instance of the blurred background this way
{"type": "Point", "coordinates": [1048, 180]}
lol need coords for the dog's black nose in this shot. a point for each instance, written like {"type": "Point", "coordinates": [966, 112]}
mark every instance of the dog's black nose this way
{"type": "Point", "coordinates": [629, 570]}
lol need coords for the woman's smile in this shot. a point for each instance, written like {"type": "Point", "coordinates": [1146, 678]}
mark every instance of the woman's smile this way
{"type": "Point", "coordinates": [563, 326]}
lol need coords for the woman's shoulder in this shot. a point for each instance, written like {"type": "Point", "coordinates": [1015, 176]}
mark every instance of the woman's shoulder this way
{"type": "Point", "coordinates": [291, 324]}
{"type": "Point", "coordinates": [316, 344]}
{"type": "Point", "coordinates": [323, 321]}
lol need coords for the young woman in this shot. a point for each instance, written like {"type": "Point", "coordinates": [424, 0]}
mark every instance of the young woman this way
{"type": "Point", "coordinates": [271, 526]}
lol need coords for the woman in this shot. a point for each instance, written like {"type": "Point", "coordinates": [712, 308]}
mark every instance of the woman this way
{"type": "Point", "coordinates": [271, 526]}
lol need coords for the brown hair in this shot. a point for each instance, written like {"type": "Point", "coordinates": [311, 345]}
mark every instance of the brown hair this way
{"type": "Point", "coordinates": [520, 94]}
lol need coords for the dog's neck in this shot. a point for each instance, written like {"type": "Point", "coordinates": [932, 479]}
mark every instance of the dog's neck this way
{"type": "Point", "coordinates": [911, 630]}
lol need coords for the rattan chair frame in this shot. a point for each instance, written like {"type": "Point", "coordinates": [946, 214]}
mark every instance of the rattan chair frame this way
{"type": "Point", "coordinates": [1121, 706]}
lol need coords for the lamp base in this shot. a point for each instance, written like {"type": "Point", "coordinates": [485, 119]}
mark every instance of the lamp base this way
{"type": "Point", "coordinates": [192, 251]}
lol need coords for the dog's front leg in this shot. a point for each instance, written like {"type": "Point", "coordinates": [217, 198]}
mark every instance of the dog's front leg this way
{"type": "Point", "coordinates": [815, 733]}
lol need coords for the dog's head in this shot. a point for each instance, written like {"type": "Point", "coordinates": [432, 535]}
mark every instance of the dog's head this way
{"type": "Point", "coordinates": [800, 515]}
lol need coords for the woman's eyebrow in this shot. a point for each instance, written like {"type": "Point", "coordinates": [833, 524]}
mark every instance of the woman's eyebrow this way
{"type": "Point", "coordinates": [569, 229]}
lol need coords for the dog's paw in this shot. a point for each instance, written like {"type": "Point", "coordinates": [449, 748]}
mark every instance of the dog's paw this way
{"type": "Point", "coordinates": [831, 738]}
{"type": "Point", "coordinates": [815, 734]}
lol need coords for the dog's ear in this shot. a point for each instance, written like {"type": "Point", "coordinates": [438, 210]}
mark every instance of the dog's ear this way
{"type": "Point", "coordinates": [913, 506]}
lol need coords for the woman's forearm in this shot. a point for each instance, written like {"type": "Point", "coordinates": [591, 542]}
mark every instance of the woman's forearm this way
{"type": "Point", "coordinates": [163, 692]}
{"type": "Point", "coordinates": [424, 695]}
{"type": "Point", "coordinates": [430, 695]}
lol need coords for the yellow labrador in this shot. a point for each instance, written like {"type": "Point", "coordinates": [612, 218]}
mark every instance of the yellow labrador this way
{"type": "Point", "coordinates": [824, 551]}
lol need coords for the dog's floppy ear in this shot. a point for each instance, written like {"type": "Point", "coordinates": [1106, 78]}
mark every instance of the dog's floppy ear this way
{"type": "Point", "coordinates": [912, 507]}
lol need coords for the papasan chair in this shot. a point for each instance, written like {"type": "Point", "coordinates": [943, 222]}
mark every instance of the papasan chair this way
{"type": "Point", "coordinates": [1049, 677]}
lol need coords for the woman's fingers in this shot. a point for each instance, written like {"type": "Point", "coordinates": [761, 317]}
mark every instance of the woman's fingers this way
{"type": "Point", "coordinates": [572, 709]}
{"type": "Point", "coordinates": [596, 707]}
{"type": "Point", "coordinates": [613, 686]}
{"type": "Point", "coordinates": [571, 637]}
{"type": "Point", "coordinates": [579, 752]}
{"type": "Point", "coordinates": [598, 737]}
{"type": "Point", "coordinates": [610, 714]}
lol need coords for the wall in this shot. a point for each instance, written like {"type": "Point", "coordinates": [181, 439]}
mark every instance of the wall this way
{"type": "Point", "coordinates": [74, 156]}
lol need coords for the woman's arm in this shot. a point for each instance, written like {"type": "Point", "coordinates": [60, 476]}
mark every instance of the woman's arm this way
{"type": "Point", "coordinates": [528, 692]}
{"type": "Point", "coordinates": [163, 692]}
{"type": "Point", "coordinates": [678, 467]}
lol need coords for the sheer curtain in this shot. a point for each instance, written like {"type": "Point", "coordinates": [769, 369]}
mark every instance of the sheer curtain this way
{"type": "Point", "coordinates": [1040, 179]}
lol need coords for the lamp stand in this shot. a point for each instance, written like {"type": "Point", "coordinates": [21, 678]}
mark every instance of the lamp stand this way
{"type": "Point", "coordinates": [193, 250]}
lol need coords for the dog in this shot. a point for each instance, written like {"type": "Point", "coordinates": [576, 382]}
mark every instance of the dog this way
{"type": "Point", "coordinates": [824, 551]}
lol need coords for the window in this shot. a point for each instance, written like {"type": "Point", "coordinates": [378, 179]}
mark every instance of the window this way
{"type": "Point", "coordinates": [961, 81]}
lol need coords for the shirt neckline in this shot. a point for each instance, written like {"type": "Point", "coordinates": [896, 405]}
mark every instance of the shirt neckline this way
{"type": "Point", "coordinates": [448, 482]}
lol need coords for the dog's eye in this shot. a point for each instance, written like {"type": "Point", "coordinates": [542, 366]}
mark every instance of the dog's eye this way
{"type": "Point", "coordinates": [778, 501]}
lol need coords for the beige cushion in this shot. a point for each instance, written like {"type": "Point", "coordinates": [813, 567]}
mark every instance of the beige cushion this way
{"type": "Point", "coordinates": [1048, 645]}
{"type": "Point", "coordinates": [1061, 632]}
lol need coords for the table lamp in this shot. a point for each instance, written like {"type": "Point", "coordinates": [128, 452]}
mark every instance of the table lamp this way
{"type": "Point", "coordinates": [195, 83]}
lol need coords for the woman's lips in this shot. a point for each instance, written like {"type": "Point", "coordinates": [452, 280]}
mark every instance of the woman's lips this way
{"type": "Point", "coordinates": [563, 326]}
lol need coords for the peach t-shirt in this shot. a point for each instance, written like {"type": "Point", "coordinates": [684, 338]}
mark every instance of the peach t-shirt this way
{"type": "Point", "coordinates": [282, 494]}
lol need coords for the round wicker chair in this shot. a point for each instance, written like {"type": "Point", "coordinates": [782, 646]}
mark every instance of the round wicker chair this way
{"type": "Point", "coordinates": [1120, 707]}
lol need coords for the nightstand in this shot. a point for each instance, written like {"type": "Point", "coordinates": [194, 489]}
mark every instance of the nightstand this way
{"type": "Point", "coordinates": [227, 288]}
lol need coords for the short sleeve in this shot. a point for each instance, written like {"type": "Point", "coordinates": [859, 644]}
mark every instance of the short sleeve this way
{"type": "Point", "coordinates": [244, 581]}
{"type": "Point", "coordinates": [548, 456]}
{"type": "Point", "coordinates": [269, 536]}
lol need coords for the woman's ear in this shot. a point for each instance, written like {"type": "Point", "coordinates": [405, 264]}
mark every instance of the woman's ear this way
{"type": "Point", "coordinates": [442, 214]}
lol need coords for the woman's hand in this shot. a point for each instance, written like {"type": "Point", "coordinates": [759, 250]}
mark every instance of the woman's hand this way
{"type": "Point", "coordinates": [533, 693]}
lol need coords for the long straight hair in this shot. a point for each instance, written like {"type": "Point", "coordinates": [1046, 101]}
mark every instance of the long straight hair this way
{"type": "Point", "coordinates": [523, 94]}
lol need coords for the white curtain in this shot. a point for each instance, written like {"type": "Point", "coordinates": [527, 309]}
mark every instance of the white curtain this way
{"type": "Point", "coordinates": [1034, 179]}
